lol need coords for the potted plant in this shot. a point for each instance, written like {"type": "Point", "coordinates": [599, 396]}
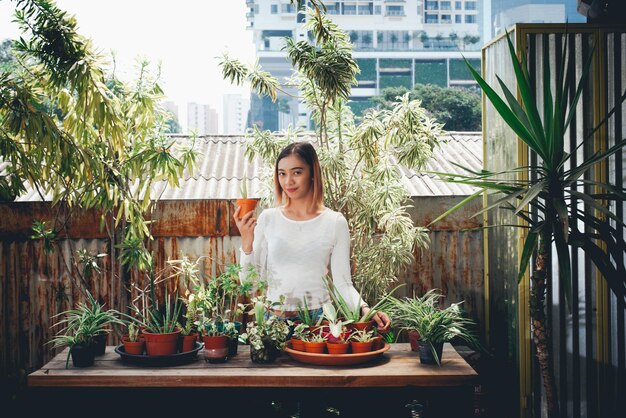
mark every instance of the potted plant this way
{"type": "Point", "coordinates": [161, 330]}
{"type": "Point", "coordinates": [353, 313]}
{"type": "Point", "coordinates": [300, 333]}
{"type": "Point", "coordinates": [134, 342]}
{"type": "Point", "coordinates": [435, 325]}
{"type": "Point", "coordinates": [315, 343]}
{"type": "Point", "coordinates": [215, 339]}
{"type": "Point", "coordinates": [246, 204]}
{"type": "Point", "coordinates": [337, 334]}
{"type": "Point", "coordinates": [90, 316]}
{"type": "Point", "coordinates": [267, 334]}
{"type": "Point", "coordinates": [80, 342]}
{"type": "Point", "coordinates": [313, 324]}
{"type": "Point", "coordinates": [361, 341]}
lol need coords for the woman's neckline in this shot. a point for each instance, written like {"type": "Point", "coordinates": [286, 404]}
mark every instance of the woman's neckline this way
{"type": "Point", "coordinates": [280, 210]}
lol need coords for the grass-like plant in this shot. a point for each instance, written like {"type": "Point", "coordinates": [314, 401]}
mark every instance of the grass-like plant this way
{"type": "Point", "coordinates": [304, 313]}
{"type": "Point", "coordinates": [159, 322]}
{"type": "Point", "coordinates": [435, 325]}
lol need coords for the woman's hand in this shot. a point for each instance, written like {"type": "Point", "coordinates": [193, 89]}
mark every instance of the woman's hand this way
{"type": "Point", "coordinates": [246, 226]}
{"type": "Point", "coordinates": [383, 322]}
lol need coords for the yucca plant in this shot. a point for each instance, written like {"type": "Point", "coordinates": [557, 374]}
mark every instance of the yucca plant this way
{"type": "Point", "coordinates": [548, 201]}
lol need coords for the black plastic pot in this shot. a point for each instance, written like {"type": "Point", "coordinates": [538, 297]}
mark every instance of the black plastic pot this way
{"type": "Point", "coordinates": [100, 343]}
{"type": "Point", "coordinates": [426, 353]}
{"type": "Point", "coordinates": [82, 355]}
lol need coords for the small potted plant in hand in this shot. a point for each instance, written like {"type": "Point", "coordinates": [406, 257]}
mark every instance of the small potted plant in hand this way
{"type": "Point", "coordinates": [246, 204]}
{"type": "Point", "coordinates": [133, 341]}
{"type": "Point", "coordinates": [267, 334]}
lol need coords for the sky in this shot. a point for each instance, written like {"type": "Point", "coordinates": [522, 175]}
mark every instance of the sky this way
{"type": "Point", "coordinates": [185, 36]}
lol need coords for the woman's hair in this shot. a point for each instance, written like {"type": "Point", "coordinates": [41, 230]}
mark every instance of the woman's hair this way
{"type": "Point", "coordinates": [306, 153]}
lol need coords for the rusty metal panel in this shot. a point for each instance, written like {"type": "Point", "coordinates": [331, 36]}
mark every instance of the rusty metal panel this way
{"type": "Point", "coordinates": [191, 218]}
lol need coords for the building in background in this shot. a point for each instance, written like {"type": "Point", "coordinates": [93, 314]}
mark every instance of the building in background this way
{"type": "Point", "coordinates": [174, 121]}
{"type": "Point", "coordinates": [235, 118]}
{"type": "Point", "coordinates": [201, 119]}
{"type": "Point", "coordinates": [396, 43]}
{"type": "Point", "coordinates": [505, 13]}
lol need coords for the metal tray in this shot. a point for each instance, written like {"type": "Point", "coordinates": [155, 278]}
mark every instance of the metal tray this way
{"type": "Point", "coordinates": [151, 361]}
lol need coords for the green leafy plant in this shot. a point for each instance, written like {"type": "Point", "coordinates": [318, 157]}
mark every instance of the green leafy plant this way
{"type": "Point", "coordinates": [314, 337]}
{"type": "Point", "coordinates": [266, 327]}
{"type": "Point", "coordinates": [133, 332]}
{"type": "Point", "coordinates": [362, 336]}
{"type": "Point", "coordinates": [165, 321]}
{"type": "Point", "coordinates": [301, 331]}
{"type": "Point", "coordinates": [435, 325]}
{"type": "Point", "coordinates": [353, 313]}
{"type": "Point", "coordinates": [244, 187]}
{"type": "Point", "coordinates": [304, 313]}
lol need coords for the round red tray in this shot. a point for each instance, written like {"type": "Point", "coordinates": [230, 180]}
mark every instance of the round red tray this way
{"type": "Point", "coordinates": [334, 359]}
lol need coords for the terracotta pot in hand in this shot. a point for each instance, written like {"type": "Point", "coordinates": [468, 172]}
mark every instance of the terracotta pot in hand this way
{"type": "Point", "coordinates": [246, 205]}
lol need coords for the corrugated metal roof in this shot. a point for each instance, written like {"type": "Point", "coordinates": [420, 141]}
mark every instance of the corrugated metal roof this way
{"type": "Point", "coordinates": [221, 162]}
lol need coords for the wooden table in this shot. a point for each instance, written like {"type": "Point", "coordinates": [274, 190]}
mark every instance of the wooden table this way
{"type": "Point", "coordinates": [387, 384]}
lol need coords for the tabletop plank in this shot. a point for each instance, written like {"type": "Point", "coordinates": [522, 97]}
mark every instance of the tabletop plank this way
{"type": "Point", "coordinates": [398, 367]}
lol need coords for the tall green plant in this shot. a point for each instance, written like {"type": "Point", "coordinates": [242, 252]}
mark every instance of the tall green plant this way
{"type": "Point", "coordinates": [547, 201]}
{"type": "Point", "coordinates": [359, 161]}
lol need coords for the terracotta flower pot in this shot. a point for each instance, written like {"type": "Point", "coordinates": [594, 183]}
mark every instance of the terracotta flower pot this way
{"type": "Point", "coordinates": [311, 347]}
{"type": "Point", "coordinates": [161, 344]}
{"type": "Point", "coordinates": [246, 205]}
{"type": "Point", "coordinates": [360, 347]}
{"type": "Point", "coordinates": [134, 347]}
{"type": "Point", "coordinates": [414, 337]}
{"type": "Point", "coordinates": [338, 347]}
{"type": "Point", "coordinates": [297, 344]}
{"type": "Point", "coordinates": [378, 342]}
{"type": "Point", "coordinates": [188, 342]}
{"type": "Point", "coordinates": [359, 326]}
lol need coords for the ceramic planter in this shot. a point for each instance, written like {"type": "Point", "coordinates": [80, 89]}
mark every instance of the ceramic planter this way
{"type": "Point", "coordinates": [161, 344]}
{"type": "Point", "coordinates": [426, 353]}
{"type": "Point", "coordinates": [311, 347]}
{"type": "Point", "coordinates": [215, 348]}
{"type": "Point", "coordinates": [82, 355]}
{"type": "Point", "coordinates": [360, 347]}
{"type": "Point", "coordinates": [246, 205]}
{"type": "Point", "coordinates": [338, 347]}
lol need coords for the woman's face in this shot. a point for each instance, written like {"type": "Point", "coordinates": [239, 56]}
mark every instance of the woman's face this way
{"type": "Point", "coordinates": [294, 176]}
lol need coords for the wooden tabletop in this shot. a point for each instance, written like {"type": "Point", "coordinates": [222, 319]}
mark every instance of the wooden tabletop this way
{"type": "Point", "coordinates": [398, 367]}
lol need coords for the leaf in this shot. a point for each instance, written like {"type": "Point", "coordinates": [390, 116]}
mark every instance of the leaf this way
{"type": "Point", "coordinates": [565, 269]}
{"type": "Point", "coordinates": [529, 247]}
{"type": "Point", "coordinates": [456, 207]}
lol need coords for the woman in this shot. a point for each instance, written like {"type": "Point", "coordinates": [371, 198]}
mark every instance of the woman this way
{"type": "Point", "coordinates": [293, 244]}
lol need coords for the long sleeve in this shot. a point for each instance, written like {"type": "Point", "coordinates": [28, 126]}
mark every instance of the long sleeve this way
{"type": "Point", "coordinates": [340, 264]}
{"type": "Point", "coordinates": [257, 258]}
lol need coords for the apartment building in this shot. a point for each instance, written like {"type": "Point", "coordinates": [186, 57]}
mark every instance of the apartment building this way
{"type": "Point", "coordinates": [236, 108]}
{"type": "Point", "coordinates": [396, 43]}
{"type": "Point", "coordinates": [201, 119]}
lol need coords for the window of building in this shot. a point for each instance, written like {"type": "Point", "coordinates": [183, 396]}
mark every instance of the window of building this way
{"type": "Point", "coordinates": [367, 9]}
{"type": "Point", "coordinates": [432, 18]}
{"type": "Point", "coordinates": [446, 18]}
{"type": "Point", "coordinates": [349, 9]}
{"type": "Point", "coordinates": [274, 9]}
{"type": "Point", "coordinates": [332, 9]}
{"type": "Point", "coordinates": [458, 19]}
{"type": "Point", "coordinates": [470, 5]}
{"type": "Point", "coordinates": [470, 18]}
{"type": "Point", "coordinates": [445, 5]}
{"type": "Point", "coordinates": [432, 5]}
{"type": "Point", "coordinates": [288, 8]}
{"type": "Point", "coordinates": [458, 5]}
{"type": "Point", "coordinates": [378, 10]}
{"type": "Point", "coordinates": [395, 10]}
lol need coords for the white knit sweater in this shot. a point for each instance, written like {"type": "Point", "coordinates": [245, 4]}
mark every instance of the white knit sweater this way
{"type": "Point", "coordinates": [294, 256]}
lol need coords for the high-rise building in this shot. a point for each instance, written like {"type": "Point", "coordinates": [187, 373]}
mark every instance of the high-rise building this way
{"type": "Point", "coordinates": [396, 43]}
{"type": "Point", "coordinates": [236, 108]}
{"type": "Point", "coordinates": [201, 118]}
{"type": "Point", "coordinates": [506, 13]}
